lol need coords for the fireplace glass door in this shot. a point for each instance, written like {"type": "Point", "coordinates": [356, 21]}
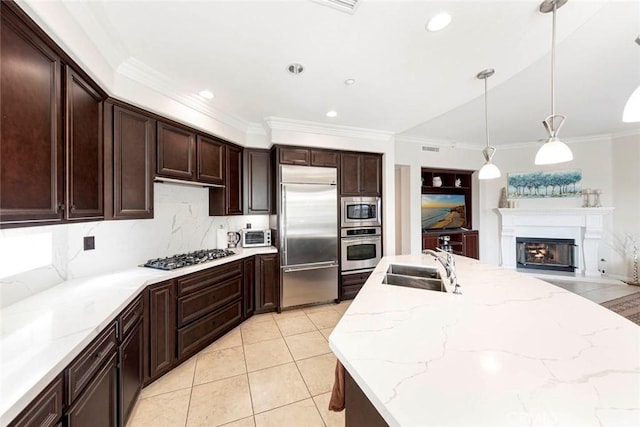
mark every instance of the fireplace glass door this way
{"type": "Point", "coordinates": [546, 254]}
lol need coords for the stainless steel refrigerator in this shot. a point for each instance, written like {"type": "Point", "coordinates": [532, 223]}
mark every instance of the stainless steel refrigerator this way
{"type": "Point", "coordinates": [308, 235]}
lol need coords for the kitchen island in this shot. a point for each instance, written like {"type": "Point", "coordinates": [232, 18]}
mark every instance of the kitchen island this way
{"type": "Point", "coordinates": [511, 350]}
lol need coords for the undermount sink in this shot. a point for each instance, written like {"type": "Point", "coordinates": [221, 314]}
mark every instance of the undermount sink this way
{"type": "Point", "coordinates": [414, 277]}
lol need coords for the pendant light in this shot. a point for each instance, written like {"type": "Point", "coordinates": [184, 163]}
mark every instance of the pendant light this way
{"type": "Point", "coordinates": [631, 113]}
{"type": "Point", "coordinates": [488, 170]}
{"type": "Point", "coordinates": [553, 150]}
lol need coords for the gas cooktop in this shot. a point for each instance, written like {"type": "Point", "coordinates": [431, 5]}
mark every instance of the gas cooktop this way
{"type": "Point", "coordinates": [185, 260]}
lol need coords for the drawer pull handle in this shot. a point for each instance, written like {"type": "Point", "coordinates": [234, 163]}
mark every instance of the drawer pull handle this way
{"type": "Point", "coordinates": [99, 354]}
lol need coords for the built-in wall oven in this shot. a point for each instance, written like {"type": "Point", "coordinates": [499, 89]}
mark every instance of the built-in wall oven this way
{"type": "Point", "coordinates": [360, 212]}
{"type": "Point", "coordinates": [361, 249]}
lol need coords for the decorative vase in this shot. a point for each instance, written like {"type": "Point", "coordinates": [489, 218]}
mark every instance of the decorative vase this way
{"type": "Point", "coordinates": [437, 181]}
{"type": "Point", "coordinates": [503, 203]}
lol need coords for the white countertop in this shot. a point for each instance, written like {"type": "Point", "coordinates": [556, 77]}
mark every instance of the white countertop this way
{"type": "Point", "coordinates": [41, 335]}
{"type": "Point", "coordinates": [511, 350]}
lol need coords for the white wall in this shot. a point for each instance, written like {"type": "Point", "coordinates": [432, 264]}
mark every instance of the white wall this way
{"type": "Point", "coordinates": [626, 199]}
{"type": "Point", "coordinates": [181, 224]}
{"type": "Point", "coordinates": [410, 154]}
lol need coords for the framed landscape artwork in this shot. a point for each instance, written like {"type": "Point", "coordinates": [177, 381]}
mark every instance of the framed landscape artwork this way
{"type": "Point", "coordinates": [545, 184]}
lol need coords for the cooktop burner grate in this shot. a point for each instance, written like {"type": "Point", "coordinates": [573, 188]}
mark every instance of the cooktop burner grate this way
{"type": "Point", "coordinates": [185, 260]}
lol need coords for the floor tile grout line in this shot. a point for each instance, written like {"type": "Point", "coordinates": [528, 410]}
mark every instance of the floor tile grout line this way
{"type": "Point", "coordinates": [244, 356]}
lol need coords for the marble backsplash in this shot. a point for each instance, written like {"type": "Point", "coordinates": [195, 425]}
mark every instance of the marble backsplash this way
{"type": "Point", "coordinates": [35, 258]}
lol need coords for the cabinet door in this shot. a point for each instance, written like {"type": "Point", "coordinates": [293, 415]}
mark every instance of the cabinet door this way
{"type": "Point", "coordinates": [31, 142]}
{"type": "Point", "coordinates": [176, 152]}
{"type": "Point", "coordinates": [324, 158]}
{"type": "Point", "coordinates": [470, 244]}
{"type": "Point", "coordinates": [370, 175]}
{"type": "Point", "coordinates": [249, 295]}
{"type": "Point", "coordinates": [131, 374]}
{"type": "Point", "coordinates": [211, 160]}
{"type": "Point", "coordinates": [84, 148]}
{"type": "Point", "coordinates": [257, 169]}
{"type": "Point", "coordinates": [268, 283]}
{"type": "Point", "coordinates": [233, 187]}
{"type": "Point", "coordinates": [134, 139]}
{"type": "Point", "coordinates": [349, 174]}
{"type": "Point", "coordinates": [162, 328]}
{"type": "Point", "coordinates": [294, 156]}
{"type": "Point", "coordinates": [430, 241]}
{"type": "Point", "coordinates": [98, 404]}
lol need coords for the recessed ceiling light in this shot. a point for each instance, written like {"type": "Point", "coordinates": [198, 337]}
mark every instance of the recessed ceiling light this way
{"type": "Point", "coordinates": [206, 94]}
{"type": "Point", "coordinates": [439, 21]}
{"type": "Point", "coordinates": [349, 82]}
{"type": "Point", "coordinates": [295, 68]}
{"type": "Point", "coordinates": [332, 113]}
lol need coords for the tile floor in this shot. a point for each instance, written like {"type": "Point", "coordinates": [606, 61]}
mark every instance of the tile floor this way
{"type": "Point", "coordinates": [596, 292]}
{"type": "Point", "coordinates": [273, 370]}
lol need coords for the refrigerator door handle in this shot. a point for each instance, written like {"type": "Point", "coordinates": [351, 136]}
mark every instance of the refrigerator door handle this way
{"type": "Point", "coordinates": [283, 225]}
{"type": "Point", "coordinates": [310, 267]}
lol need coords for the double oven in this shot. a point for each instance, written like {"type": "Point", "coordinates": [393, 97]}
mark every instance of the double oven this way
{"type": "Point", "coordinates": [360, 234]}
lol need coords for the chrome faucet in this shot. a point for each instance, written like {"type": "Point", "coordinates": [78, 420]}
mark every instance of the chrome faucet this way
{"type": "Point", "coordinates": [449, 263]}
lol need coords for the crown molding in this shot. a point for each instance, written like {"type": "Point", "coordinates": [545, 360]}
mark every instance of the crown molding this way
{"type": "Point", "coordinates": [280, 123]}
{"type": "Point", "coordinates": [256, 129]}
{"type": "Point", "coordinates": [138, 71]}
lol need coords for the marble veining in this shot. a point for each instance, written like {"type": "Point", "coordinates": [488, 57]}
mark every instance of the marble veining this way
{"type": "Point", "coordinates": [40, 335]}
{"type": "Point", "coordinates": [512, 350]}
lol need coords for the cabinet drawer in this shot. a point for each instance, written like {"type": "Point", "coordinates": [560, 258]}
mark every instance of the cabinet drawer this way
{"type": "Point", "coordinates": [202, 279]}
{"type": "Point", "coordinates": [45, 410]}
{"type": "Point", "coordinates": [355, 279]}
{"type": "Point", "coordinates": [80, 372]}
{"type": "Point", "coordinates": [197, 304]}
{"type": "Point", "coordinates": [129, 317]}
{"type": "Point", "coordinates": [202, 332]}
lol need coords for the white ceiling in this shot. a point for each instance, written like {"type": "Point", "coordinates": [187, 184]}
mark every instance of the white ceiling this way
{"type": "Point", "coordinates": [408, 81]}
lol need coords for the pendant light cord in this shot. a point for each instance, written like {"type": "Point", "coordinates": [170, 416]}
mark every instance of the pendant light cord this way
{"type": "Point", "coordinates": [486, 113]}
{"type": "Point", "coordinates": [553, 66]}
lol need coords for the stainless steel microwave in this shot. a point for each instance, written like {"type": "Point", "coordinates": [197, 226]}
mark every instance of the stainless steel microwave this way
{"type": "Point", "coordinates": [251, 238]}
{"type": "Point", "coordinates": [360, 212]}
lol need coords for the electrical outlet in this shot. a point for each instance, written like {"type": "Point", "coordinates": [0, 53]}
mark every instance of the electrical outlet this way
{"type": "Point", "coordinates": [89, 243]}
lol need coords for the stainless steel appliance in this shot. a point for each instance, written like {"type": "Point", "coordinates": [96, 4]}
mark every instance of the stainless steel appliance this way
{"type": "Point", "coordinates": [360, 212]}
{"type": "Point", "coordinates": [252, 238]}
{"type": "Point", "coordinates": [233, 238]}
{"type": "Point", "coordinates": [361, 249]}
{"type": "Point", "coordinates": [308, 235]}
{"type": "Point", "coordinates": [185, 260]}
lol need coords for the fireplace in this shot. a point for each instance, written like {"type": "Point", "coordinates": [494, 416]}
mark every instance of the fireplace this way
{"type": "Point", "coordinates": [545, 254]}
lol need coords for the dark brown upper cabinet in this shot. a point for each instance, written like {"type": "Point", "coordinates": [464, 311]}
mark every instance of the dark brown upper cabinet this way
{"type": "Point", "coordinates": [360, 174]}
{"type": "Point", "coordinates": [131, 160]}
{"type": "Point", "coordinates": [257, 181]}
{"type": "Point", "coordinates": [307, 157]}
{"type": "Point", "coordinates": [227, 200]}
{"type": "Point", "coordinates": [176, 152]}
{"type": "Point", "coordinates": [31, 138]}
{"type": "Point", "coordinates": [84, 146]}
{"type": "Point", "coordinates": [210, 156]}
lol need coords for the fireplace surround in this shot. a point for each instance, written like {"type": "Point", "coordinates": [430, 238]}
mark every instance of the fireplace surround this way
{"type": "Point", "coordinates": [583, 225]}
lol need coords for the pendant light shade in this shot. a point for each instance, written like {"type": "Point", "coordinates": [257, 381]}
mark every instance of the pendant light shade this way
{"type": "Point", "coordinates": [488, 170]}
{"type": "Point", "coordinates": [631, 112]}
{"type": "Point", "coordinates": [553, 150]}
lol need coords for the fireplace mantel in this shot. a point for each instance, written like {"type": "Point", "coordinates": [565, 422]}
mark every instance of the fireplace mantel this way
{"type": "Point", "coordinates": [584, 225]}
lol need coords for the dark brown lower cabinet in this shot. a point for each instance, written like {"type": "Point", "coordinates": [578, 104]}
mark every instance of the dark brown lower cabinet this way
{"type": "Point", "coordinates": [359, 411]}
{"type": "Point", "coordinates": [45, 410]}
{"type": "Point", "coordinates": [162, 328]}
{"type": "Point", "coordinates": [131, 371]}
{"type": "Point", "coordinates": [350, 284]}
{"type": "Point", "coordinates": [97, 405]}
{"type": "Point", "coordinates": [459, 242]}
{"type": "Point", "coordinates": [267, 283]}
{"type": "Point", "coordinates": [249, 281]}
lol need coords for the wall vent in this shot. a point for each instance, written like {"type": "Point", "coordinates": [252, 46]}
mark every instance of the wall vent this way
{"type": "Point", "coordinates": [348, 6]}
{"type": "Point", "coordinates": [428, 148]}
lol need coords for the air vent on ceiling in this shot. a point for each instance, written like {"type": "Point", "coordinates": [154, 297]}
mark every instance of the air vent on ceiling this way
{"type": "Point", "coordinates": [428, 148]}
{"type": "Point", "coordinates": [348, 6]}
